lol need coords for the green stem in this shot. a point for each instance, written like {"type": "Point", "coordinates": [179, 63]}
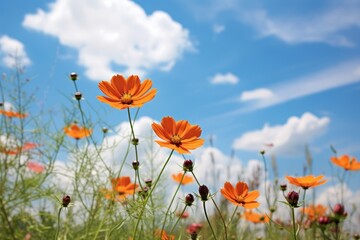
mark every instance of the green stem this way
{"type": "Point", "coordinates": [148, 196]}
{"type": "Point", "coordinates": [232, 216]}
{"type": "Point", "coordinates": [177, 221]}
{"type": "Point", "coordinates": [58, 225]}
{"type": "Point", "coordinates": [293, 222]}
{"type": "Point", "coordinates": [172, 200]}
{"type": "Point", "coordinates": [207, 219]}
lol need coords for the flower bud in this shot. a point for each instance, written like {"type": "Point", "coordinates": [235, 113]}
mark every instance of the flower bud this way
{"type": "Point", "coordinates": [135, 141]}
{"type": "Point", "coordinates": [73, 76]}
{"type": "Point", "coordinates": [66, 200]}
{"type": "Point", "coordinates": [324, 220]}
{"type": "Point", "coordinates": [262, 152]}
{"type": "Point", "coordinates": [204, 192]}
{"type": "Point", "coordinates": [148, 182]}
{"type": "Point", "coordinates": [293, 198]}
{"type": "Point", "coordinates": [339, 209]}
{"type": "Point", "coordinates": [283, 187]}
{"type": "Point", "coordinates": [188, 166]}
{"type": "Point", "coordinates": [189, 199]}
{"type": "Point", "coordinates": [135, 165]}
{"type": "Point", "coordinates": [78, 96]}
{"type": "Point", "coordinates": [105, 130]}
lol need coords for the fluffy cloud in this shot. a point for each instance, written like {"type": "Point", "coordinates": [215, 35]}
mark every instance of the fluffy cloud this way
{"type": "Point", "coordinates": [218, 28]}
{"type": "Point", "coordinates": [107, 41]}
{"type": "Point", "coordinates": [257, 94]}
{"type": "Point", "coordinates": [12, 52]}
{"type": "Point", "coordinates": [289, 138]}
{"type": "Point", "coordinates": [227, 78]}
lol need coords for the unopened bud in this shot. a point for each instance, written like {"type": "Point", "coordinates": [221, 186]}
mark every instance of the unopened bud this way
{"type": "Point", "coordinates": [105, 130]}
{"type": "Point", "coordinates": [189, 199]}
{"type": "Point", "coordinates": [135, 141]}
{"type": "Point", "coordinates": [204, 192]}
{"type": "Point", "coordinates": [283, 187]}
{"type": "Point", "coordinates": [188, 166]}
{"type": "Point", "coordinates": [148, 182]}
{"type": "Point", "coordinates": [293, 198]}
{"type": "Point", "coordinates": [339, 209]}
{"type": "Point", "coordinates": [135, 165]}
{"type": "Point", "coordinates": [78, 96]}
{"type": "Point", "coordinates": [73, 76]}
{"type": "Point", "coordinates": [66, 200]}
{"type": "Point", "coordinates": [324, 220]}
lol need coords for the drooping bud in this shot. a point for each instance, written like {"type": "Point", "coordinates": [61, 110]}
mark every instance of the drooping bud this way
{"type": "Point", "coordinates": [189, 199]}
{"type": "Point", "coordinates": [204, 192]}
{"type": "Point", "coordinates": [293, 198]}
{"type": "Point", "coordinates": [188, 165]}
{"type": "Point", "coordinates": [73, 76]}
{"type": "Point", "coordinates": [66, 200]}
{"type": "Point", "coordinates": [78, 96]}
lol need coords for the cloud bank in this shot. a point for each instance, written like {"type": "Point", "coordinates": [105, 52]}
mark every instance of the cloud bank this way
{"type": "Point", "coordinates": [12, 52]}
{"type": "Point", "coordinates": [288, 138]}
{"type": "Point", "coordinates": [113, 36]}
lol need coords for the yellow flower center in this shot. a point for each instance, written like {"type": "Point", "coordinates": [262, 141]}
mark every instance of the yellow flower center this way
{"type": "Point", "coordinates": [126, 99]}
{"type": "Point", "coordinates": [176, 140]}
{"type": "Point", "coordinates": [240, 199]}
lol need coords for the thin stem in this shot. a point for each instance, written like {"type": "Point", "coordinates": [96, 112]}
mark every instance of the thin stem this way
{"type": "Point", "coordinates": [150, 193]}
{"type": "Point", "coordinates": [232, 216]}
{"type": "Point", "coordinates": [177, 221]}
{"type": "Point", "coordinates": [58, 224]}
{"type": "Point", "coordinates": [293, 222]}
{"type": "Point", "coordinates": [172, 200]}
{"type": "Point", "coordinates": [217, 208]}
{"type": "Point", "coordinates": [207, 219]}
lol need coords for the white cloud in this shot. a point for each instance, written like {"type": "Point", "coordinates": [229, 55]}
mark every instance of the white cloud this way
{"type": "Point", "coordinates": [107, 41]}
{"type": "Point", "coordinates": [336, 76]}
{"type": "Point", "coordinates": [327, 25]}
{"type": "Point", "coordinates": [218, 28]}
{"type": "Point", "coordinates": [227, 78]}
{"type": "Point", "coordinates": [257, 94]}
{"type": "Point", "coordinates": [289, 138]}
{"type": "Point", "coordinates": [12, 52]}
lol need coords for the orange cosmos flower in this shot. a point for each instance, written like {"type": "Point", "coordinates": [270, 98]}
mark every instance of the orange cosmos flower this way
{"type": "Point", "coordinates": [240, 195]}
{"type": "Point", "coordinates": [35, 167]}
{"type": "Point", "coordinates": [17, 150]}
{"type": "Point", "coordinates": [256, 217]}
{"type": "Point", "coordinates": [12, 114]}
{"type": "Point", "coordinates": [307, 181]}
{"type": "Point", "coordinates": [77, 132]}
{"type": "Point", "coordinates": [346, 162]}
{"type": "Point", "coordinates": [123, 93]}
{"type": "Point", "coordinates": [180, 136]}
{"type": "Point", "coordinates": [164, 235]}
{"type": "Point", "coordinates": [313, 212]}
{"type": "Point", "coordinates": [186, 180]}
{"type": "Point", "coordinates": [121, 188]}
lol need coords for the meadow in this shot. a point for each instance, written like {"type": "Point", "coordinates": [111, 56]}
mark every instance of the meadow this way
{"type": "Point", "coordinates": [129, 196]}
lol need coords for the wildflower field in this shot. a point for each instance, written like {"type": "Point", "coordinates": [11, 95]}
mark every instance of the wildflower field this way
{"type": "Point", "coordinates": [131, 196]}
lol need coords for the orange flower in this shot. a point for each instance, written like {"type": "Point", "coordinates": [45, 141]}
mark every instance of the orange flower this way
{"type": "Point", "coordinates": [315, 211]}
{"type": "Point", "coordinates": [77, 132]}
{"type": "Point", "coordinates": [180, 136]}
{"type": "Point", "coordinates": [256, 217]}
{"type": "Point", "coordinates": [307, 181]}
{"type": "Point", "coordinates": [35, 167]}
{"type": "Point", "coordinates": [186, 180]}
{"type": "Point", "coordinates": [240, 195]}
{"type": "Point", "coordinates": [346, 162]}
{"type": "Point", "coordinates": [17, 150]}
{"type": "Point", "coordinates": [164, 235]}
{"type": "Point", "coordinates": [12, 114]}
{"type": "Point", "coordinates": [123, 93]}
{"type": "Point", "coordinates": [121, 188]}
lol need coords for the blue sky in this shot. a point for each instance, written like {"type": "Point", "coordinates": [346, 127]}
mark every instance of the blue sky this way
{"type": "Point", "coordinates": [250, 73]}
